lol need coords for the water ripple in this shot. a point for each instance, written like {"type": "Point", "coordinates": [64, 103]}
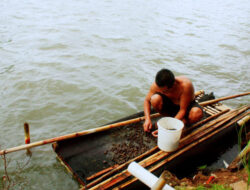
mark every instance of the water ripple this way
{"type": "Point", "coordinates": [72, 65]}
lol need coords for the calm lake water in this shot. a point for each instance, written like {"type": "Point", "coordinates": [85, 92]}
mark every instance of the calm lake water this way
{"type": "Point", "coordinates": [72, 65]}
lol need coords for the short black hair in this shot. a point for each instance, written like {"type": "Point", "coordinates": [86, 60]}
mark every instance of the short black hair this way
{"type": "Point", "coordinates": [164, 77]}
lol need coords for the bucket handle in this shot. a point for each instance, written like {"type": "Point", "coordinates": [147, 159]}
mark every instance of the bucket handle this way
{"type": "Point", "coordinates": [155, 133]}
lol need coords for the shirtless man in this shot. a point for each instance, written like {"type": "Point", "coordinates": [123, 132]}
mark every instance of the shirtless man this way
{"type": "Point", "coordinates": [172, 96]}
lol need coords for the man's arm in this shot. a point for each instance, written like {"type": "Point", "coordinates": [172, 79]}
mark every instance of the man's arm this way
{"type": "Point", "coordinates": [147, 108]}
{"type": "Point", "coordinates": [185, 99]}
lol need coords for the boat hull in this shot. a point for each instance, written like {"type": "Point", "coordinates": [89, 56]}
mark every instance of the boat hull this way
{"type": "Point", "coordinates": [91, 157]}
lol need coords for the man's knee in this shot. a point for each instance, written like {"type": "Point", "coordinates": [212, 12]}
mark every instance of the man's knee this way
{"type": "Point", "coordinates": [156, 102]}
{"type": "Point", "coordinates": [195, 114]}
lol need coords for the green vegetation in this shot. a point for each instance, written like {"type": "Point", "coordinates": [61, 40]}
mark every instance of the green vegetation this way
{"type": "Point", "coordinates": [202, 167]}
{"type": "Point", "coordinates": [246, 164]}
{"type": "Point", "coordinates": [214, 187]}
{"type": "Point", "coordinates": [245, 160]}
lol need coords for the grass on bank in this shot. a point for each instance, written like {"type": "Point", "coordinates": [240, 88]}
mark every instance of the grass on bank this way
{"type": "Point", "coordinates": [245, 160]}
{"type": "Point", "coordinates": [213, 187]}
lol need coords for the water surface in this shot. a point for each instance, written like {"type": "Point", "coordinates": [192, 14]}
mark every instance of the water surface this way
{"type": "Point", "coordinates": [72, 65]}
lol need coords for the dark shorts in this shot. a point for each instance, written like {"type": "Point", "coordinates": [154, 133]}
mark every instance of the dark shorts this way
{"type": "Point", "coordinates": [171, 109]}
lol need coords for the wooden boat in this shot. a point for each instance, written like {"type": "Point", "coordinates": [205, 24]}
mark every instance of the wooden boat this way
{"type": "Point", "coordinates": [99, 160]}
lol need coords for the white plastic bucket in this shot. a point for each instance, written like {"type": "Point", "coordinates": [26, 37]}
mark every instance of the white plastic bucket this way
{"type": "Point", "coordinates": [169, 133]}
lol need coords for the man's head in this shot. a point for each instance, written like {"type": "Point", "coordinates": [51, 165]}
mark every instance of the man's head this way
{"type": "Point", "coordinates": [165, 78]}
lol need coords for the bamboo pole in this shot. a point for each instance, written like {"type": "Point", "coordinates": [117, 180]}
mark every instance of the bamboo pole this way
{"type": "Point", "coordinates": [208, 111]}
{"type": "Point", "coordinates": [205, 130]}
{"type": "Point", "coordinates": [73, 135]}
{"type": "Point", "coordinates": [157, 166]}
{"type": "Point", "coordinates": [141, 156]}
{"type": "Point", "coordinates": [223, 98]}
{"type": "Point", "coordinates": [26, 133]}
{"type": "Point", "coordinates": [213, 109]}
{"type": "Point", "coordinates": [151, 159]}
{"type": "Point", "coordinates": [122, 166]}
{"type": "Point", "coordinates": [155, 148]}
{"type": "Point", "coordinates": [221, 117]}
{"type": "Point", "coordinates": [205, 120]}
{"type": "Point", "coordinates": [155, 157]}
{"type": "Point", "coordinates": [27, 137]}
{"type": "Point", "coordinates": [198, 93]}
{"type": "Point", "coordinates": [81, 133]}
{"type": "Point", "coordinates": [244, 120]}
{"type": "Point", "coordinates": [208, 136]}
{"type": "Point", "coordinates": [161, 154]}
{"type": "Point", "coordinates": [219, 121]}
{"type": "Point", "coordinates": [102, 172]}
{"type": "Point", "coordinates": [234, 164]}
{"type": "Point", "coordinates": [151, 150]}
{"type": "Point", "coordinates": [160, 182]}
{"type": "Point", "coordinates": [239, 157]}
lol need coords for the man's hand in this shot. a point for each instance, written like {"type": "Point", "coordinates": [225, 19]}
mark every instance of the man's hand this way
{"type": "Point", "coordinates": [147, 125]}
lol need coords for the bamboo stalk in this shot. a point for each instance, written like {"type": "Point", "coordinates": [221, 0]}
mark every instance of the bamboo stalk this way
{"type": "Point", "coordinates": [244, 120]}
{"type": "Point", "coordinates": [208, 136]}
{"type": "Point", "coordinates": [223, 98]}
{"type": "Point", "coordinates": [222, 107]}
{"type": "Point", "coordinates": [125, 164]}
{"type": "Point", "coordinates": [147, 162]}
{"type": "Point", "coordinates": [26, 133]}
{"type": "Point", "coordinates": [121, 166]}
{"type": "Point", "coordinates": [198, 93]}
{"type": "Point", "coordinates": [157, 166]}
{"type": "Point", "coordinates": [219, 121]}
{"type": "Point", "coordinates": [206, 120]}
{"type": "Point", "coordinates": [207, 129]}
{"type": "Point", "coordinates": [151, 150]}
{"type": "Point", "coordinates": [236, 162]}
{"type": "Point", "coordinates": [148, 152]}
{"type": "Point", "coordinates": [220, 117]}
{"type": "Point", "coordinates": [213, 109]}
{"type": "Point", "coordinates": [101, 172]}
{"type": "Point", "coordinates": [73, 135]}
{"type": "Point", "coordinates": [211, 112]}
{"type": "Point", "coordinates": [160, 182]}
{"type": "Point", "coordinates": [81, 133]}
{"type": "Point", "coordinates": [27, 137]}
{"type": "Point", "coordinates": [243, 153]}
{"type": "Point", "coordinates": [161, 154]}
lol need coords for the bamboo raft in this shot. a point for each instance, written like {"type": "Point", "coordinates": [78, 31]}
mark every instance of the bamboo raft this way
{"type": "Point", "coordinates": [99, 160]}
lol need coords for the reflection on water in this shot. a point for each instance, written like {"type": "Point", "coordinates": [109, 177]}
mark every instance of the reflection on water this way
{"type": "Point", "coordinates": [67, 66]}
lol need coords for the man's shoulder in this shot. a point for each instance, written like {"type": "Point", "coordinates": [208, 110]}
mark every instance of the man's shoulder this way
{"type": "Point", "coordinates": [186, 85]}
{"type": "Point", "coordinates": [153, 87]}
{"type": "Point", "coordinates": [182, 77]}
{"type": "Point", "coordinates": [184, 80]}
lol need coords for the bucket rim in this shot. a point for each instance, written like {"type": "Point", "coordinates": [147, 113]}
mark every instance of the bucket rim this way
{"type": "Point", "coordinates": [172, 118]}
